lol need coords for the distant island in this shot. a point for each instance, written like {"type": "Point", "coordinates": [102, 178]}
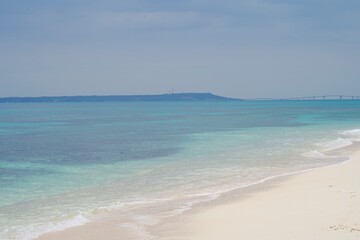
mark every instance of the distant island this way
{"type": "Point", "coordinates": [121, 98]}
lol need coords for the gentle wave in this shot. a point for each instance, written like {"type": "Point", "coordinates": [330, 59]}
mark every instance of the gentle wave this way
{"type": "Point", "coordinates": [353, 133]}
{"type": "Point", "coordinates": [315, 154]}
{"type": "Point", "coordinates": [335, 144]}
{"type": "Point", "coordinates": [193, 199]}
{"type": "Point", "coordinates": [138, 227]}
{"type": "Point", "coordinates": [33, 231]}
{"type": "Point", "coordinates": [353, 136]}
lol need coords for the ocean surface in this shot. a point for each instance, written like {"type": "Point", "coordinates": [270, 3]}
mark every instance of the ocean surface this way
{"type": "Point", "coordinates": [66, 164]}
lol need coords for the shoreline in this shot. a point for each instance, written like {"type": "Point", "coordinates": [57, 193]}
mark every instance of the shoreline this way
{"type": "Point", "coordinates": [177, 227]}
{"type": "Point", "coordinates": [322, 203]}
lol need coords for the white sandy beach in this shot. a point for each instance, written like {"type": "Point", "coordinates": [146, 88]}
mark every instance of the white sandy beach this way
{"type": "Point", "coordinates": [320, 204]}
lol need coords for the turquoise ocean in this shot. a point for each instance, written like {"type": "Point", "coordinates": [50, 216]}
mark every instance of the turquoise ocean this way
{"type": "Point", "coordinates": [67, 164]}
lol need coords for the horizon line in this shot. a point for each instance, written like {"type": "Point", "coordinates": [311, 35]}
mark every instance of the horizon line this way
{"type": "Point", "coordinates": [313, 97]}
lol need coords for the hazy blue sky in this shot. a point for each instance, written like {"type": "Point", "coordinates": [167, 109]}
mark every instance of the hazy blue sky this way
{"type": "Point", "coordinates": [238, 48]}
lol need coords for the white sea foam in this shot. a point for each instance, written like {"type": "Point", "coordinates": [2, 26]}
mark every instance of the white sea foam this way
{"type": "Point", "coordinates": [315, 154]}
{"type": "Point", "coordinates": [35, 231]}
{"type": "Point", "coordinates": [75, 221]}
{"type": "Point", "coordinates": [352, 136]}
{"type": "Point", "coordinates": [106, 209]}
{"type": "Point", "coordinates": [335, 144]}
{"type": "Point", "coordinates": [354, 133]}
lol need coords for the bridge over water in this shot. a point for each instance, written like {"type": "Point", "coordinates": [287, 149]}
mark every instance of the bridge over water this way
{"type": "Point", "coordinates": [311, 98]}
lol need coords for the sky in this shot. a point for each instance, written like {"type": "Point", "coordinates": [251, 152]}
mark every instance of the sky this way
{"type": "Point", "coordinates": [242, 48]}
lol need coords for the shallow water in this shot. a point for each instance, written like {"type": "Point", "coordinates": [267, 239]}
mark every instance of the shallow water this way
{"type": "Point", "coordinates": [64, 164]}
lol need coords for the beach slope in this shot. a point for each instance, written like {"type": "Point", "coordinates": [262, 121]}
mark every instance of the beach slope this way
{"type": "Point", "coordinates": [319, 204]}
